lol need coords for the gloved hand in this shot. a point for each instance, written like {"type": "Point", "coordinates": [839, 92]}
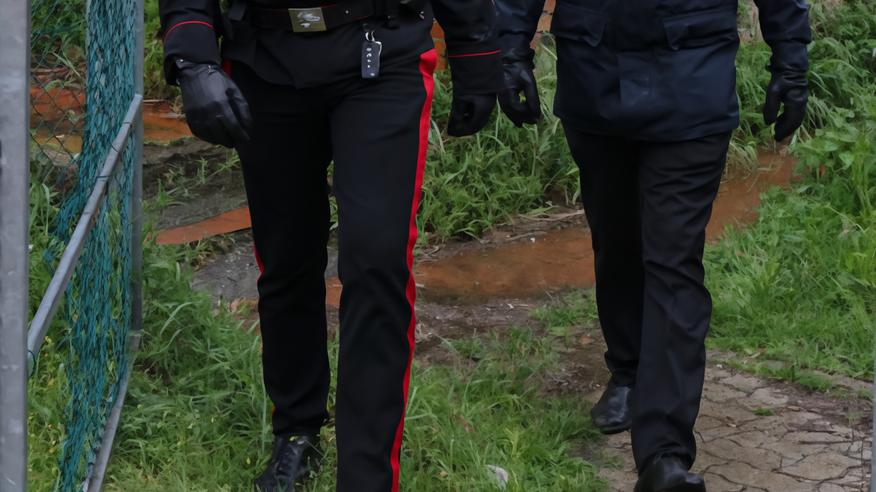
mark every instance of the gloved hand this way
{"type": "Point", "coordinates": [469, 113]}
{"type": "Point", "coordinates": [519, 78]}
{"type": "Point", "coordinates": [215, 109]}
{"type": "Point", "coordinates": [790, 89]}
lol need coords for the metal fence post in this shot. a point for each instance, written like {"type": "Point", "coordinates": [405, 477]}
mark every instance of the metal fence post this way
{"type": "Point", "coordinates": [137, 184]}
{"type": "Point", "coordinates": [14, 167]}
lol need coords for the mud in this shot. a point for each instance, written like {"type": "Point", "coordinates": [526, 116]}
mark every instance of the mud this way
{"type": "Point", "coordinates": [224, 223]}
{"type": "Point", "coordinates": [57, 117]}
{"type": "Point", "coordinates": [563, 259]}
{"type": "Point", "coordinates": [161, 124]}
{"type": "Point", "coordinates": [199, 187]}
{"type": "Point", "coordinates": [529, 258]}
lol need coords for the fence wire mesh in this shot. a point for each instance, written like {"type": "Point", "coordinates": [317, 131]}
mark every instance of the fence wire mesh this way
{"type": "Point", "coordinates": [83, 80]}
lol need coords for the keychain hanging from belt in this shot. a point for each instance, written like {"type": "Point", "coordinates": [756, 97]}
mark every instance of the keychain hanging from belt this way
{"type": "Point", "coordinates": [371, 50]}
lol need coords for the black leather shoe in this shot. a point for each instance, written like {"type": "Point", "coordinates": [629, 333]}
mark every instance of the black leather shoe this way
{"type": "Point", "coordinates": [668, 474]}
{"type": "Point", "coordinates": [613, 412]}
{"type": "Point", "coordinates": [292, 461]}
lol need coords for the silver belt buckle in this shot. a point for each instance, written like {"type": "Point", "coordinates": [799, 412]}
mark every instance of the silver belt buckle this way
{"type": "Point", "coordinates": [307, 20]}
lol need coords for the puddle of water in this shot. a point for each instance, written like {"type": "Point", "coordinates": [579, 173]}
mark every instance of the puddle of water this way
{"type": "Point", "coordinates": [55, 103]}
{"type": "Point", "coordinates": [564, 259]}
{"type": "Point", "coordinates": [161, 124]}
{"type": "Point", "coordinates": [558, 260]}
{"type": "Point", "coordinates": [225, 223]}
{"type": "Point", "coordinates": [739, 195]}
{"type": "Point", "coordinates": [57, 118]}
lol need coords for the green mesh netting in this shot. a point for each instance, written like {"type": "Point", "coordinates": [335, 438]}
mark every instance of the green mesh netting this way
{"type": "Point", "coordinates": [82, 85]}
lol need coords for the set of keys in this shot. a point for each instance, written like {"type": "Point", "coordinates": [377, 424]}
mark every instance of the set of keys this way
{"type": "Point", "coordinates": [371, 50]}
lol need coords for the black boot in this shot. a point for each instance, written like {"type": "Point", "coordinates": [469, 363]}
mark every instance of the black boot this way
{"type": "Point", "coordinates": [292, 461]}
{"type": "Point", "coordinates": [613, 412]}
{"type": "Point", "coordinates": [669, 474]}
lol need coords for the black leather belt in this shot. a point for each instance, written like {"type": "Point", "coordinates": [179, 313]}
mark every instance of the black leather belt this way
{"type": "Point", "coordinates": [313, 19]}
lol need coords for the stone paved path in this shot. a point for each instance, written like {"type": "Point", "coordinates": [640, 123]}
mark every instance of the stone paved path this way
{"type": "Point", "coordinates": [754, 435]}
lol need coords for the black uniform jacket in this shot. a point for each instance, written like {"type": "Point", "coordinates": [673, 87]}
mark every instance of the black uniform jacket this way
{"type": "Point", "coordinates": [658, 70]}
{"type": "Point", "coordinates": [192, 29]}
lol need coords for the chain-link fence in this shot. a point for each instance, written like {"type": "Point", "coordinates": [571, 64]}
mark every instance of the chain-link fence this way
{"type": "Point", "coordinates": [80, 87]}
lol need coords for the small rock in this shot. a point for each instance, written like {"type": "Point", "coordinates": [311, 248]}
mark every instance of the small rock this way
{"type": "Point", "coordinates": [769, 397]}
{"type": "Point", "coordinates": [721, 393]}
{"type": "Point", "coordinates": [744, 383]}
{"type": "Point", "coordinates": [500, 474]}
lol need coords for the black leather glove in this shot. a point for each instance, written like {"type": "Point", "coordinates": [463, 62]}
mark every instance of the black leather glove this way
{"type": "Point", "coordinates": [789, 89]}
{"type": "Point", "coordinates": [469, 113]}
{"type": "Point", "coordinates": [519, 78]}
{"type": "Point", "coordinates": [215, 109]}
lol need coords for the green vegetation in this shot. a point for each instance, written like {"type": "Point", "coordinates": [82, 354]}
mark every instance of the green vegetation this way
{"type": "Point", "coordinates": [477, 182]}
{"type": "Point", "coordinates": [799, 286]}
{"type": "Point", "coordinates": [197, 418]}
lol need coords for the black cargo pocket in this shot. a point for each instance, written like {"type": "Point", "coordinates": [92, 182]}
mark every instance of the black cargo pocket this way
{"type": "Point", "coordinates": [578, 24]}
{"type": "Point", "coordinates": [697, 29]}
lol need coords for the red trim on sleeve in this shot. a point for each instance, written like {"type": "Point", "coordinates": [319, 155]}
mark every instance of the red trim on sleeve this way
{"type": "Point", "coordinates": [469, 55]}
{"type": "Point", "coordinates": [185, 23]}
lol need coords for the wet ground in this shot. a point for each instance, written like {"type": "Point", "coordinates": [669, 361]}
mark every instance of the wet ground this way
{"type": "Point", "coordinates": [754, 434]}
{"type": "Point", "coordinates": [532, 257]}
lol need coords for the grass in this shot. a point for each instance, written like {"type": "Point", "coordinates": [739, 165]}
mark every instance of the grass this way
{"type": "Point", "coordinates": [799, 286]}
{"type": "Point", "coordinates": [197, 418]}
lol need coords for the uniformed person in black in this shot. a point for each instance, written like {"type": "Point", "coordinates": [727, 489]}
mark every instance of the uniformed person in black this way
{"type": "Point", "coordinates": [646, 94]}
{"type": "Point", "coordinates": [306, 84]}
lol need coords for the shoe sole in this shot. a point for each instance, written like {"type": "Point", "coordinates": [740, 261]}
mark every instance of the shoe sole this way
{"type": "Point", "coordinates": [308, 472]}
{"type": "Point", "coordinates": [686, 487]}
{"type": "Point", "coordinates": [616, 429]}
{"type": "Point", "coordinates": [682, 487]}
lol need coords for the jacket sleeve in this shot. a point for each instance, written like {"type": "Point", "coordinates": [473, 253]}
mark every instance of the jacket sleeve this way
{"type": "Point", "coordinates": [189, 29]}
{"type": "Point", "coordinates": [785, 27]}
{"type": "Point", "coordinates": [472, 44]}
{"type": "Point", "coordinates": [518, 20]}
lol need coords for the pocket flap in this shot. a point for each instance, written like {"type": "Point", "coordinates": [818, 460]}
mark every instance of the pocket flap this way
{"type": "Point", "coordinates": [579, 24]}
{"type": "Point", "coordinates": [701, 28]}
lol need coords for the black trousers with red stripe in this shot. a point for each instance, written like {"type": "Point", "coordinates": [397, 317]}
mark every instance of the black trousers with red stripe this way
{"type": "Point", "coordinates": [376, 133]}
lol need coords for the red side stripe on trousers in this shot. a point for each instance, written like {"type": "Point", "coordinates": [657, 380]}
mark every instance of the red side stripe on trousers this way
{"type": "Point", "coordinates": [428, 60]}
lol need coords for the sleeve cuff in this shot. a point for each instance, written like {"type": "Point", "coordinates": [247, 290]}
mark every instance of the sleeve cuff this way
{"type": "Point", "coordinates": [192, 40]}
{"type": "Point", "coordinates": [515, 45]}
{"type": "Point", "coordinates": [789, 56]}
{"type": "Point", "coordinates": [476, 72]}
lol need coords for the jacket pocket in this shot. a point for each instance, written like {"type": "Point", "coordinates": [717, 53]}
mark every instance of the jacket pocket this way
{"type": "Point", "coordinates": [578, 23]}
{"type": "Point", "coordinates": [697, 29]}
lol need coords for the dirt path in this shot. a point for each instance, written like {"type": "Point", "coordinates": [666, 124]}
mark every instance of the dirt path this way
{"type": "Point", "coordinates": [758, 435]}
